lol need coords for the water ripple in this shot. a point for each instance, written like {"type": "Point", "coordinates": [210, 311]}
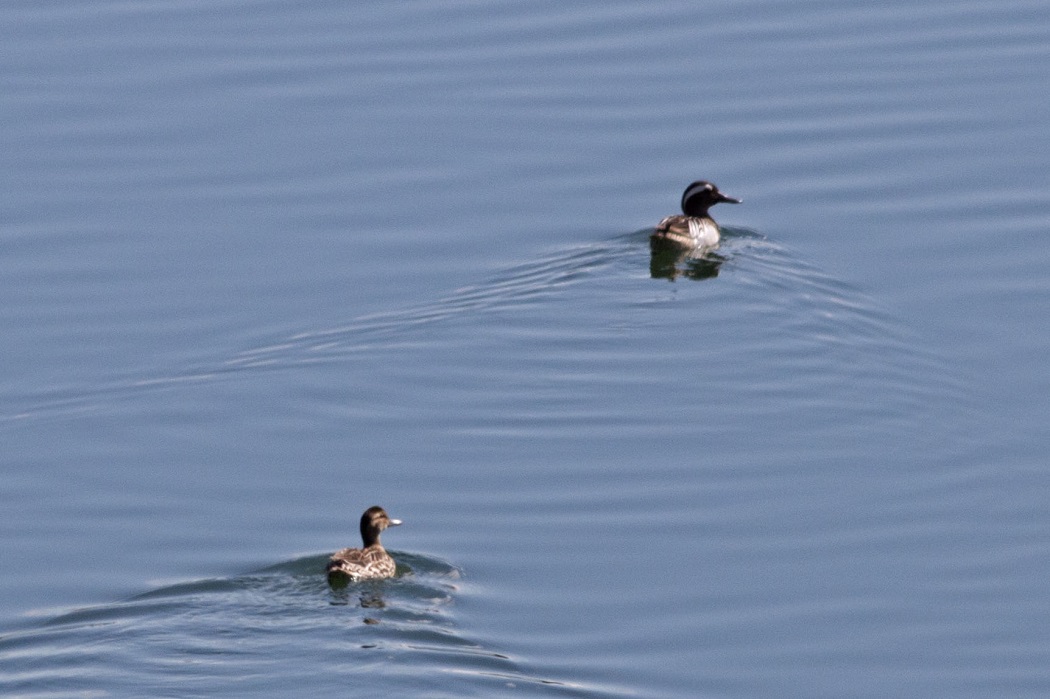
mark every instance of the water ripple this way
{"type": "Point", "coordinates": [210, 635]}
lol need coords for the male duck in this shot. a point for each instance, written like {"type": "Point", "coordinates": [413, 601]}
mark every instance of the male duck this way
{"type": "Point", "coordinates": [371, 561]}
{"type": "Point", "coordinates": [695, 228]}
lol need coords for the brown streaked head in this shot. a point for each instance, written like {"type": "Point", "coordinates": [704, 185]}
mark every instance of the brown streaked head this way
{"type": "Point", "coordinates": [373, 522]}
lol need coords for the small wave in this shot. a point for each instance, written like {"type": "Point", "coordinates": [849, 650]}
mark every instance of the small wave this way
{"type": "Point", "coordinates": [790, 294]}
{"type": "Point", "coordinates": [226, 628]}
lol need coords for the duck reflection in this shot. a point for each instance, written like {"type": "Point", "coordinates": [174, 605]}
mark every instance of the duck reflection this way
{"type": "Point", "coordinates": [367, 595]}
{"type": "Point", "coordinates": [672, 261]}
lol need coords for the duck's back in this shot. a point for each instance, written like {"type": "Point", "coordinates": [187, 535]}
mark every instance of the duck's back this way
{"type": "Point", "coordinates": [361, 564]}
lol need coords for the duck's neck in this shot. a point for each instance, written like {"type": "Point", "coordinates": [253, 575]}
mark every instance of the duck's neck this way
{"type": "Point", "coordinates": [697, 211]}
{"type": "Point", "coordinates": [369, 537]}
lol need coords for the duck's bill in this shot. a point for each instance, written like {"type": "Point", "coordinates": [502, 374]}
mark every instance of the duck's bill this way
{"type": "Point", "coordinates": [728, 199]}
{"type": "Point", "coordinates": [394, 522]}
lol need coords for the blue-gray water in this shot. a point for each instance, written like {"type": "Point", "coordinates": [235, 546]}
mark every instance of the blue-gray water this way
{"type": "Point", "coordinates": [265, 264]}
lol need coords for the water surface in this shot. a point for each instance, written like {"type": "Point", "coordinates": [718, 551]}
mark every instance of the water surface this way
{"type": "Point", "coordinates": [266, 265]}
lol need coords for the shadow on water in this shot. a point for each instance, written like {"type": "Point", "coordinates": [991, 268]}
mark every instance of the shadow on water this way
{"type": "Point", "coordinates": [214, 634]}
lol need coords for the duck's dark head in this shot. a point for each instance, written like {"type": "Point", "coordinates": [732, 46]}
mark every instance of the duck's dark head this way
{"type": "Point", "coordinates": [374, 521]}
{"type": "Point", "coordinates": [700, 196]}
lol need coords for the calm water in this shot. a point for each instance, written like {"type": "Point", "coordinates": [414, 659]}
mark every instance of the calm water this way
{"type": "Point", "coordinates": [265, 264]}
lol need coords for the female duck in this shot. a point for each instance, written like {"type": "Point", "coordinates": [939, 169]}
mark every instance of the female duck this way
{"type": "Point", "coordinates": [695, 228]}
{"type": "Point", "coordinates": [371, 561]}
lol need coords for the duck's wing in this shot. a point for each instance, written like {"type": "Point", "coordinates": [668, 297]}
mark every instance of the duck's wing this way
{"type": "Point", "coordinates": [672, 226]}
{"type": "Point", "coordinates": [672, 231]}
{"type": "Point", "coordinates": [347, 561]}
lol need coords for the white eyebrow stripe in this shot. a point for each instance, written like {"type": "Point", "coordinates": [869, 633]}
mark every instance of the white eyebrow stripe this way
{"type": "Point", "coordinates": [696, 189]}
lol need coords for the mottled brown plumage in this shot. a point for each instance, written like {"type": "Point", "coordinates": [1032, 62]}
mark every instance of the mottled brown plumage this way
{"type": "Point", "coordinates": [694, 227]}
{"type": "Point", "coordinates": [370, 561]}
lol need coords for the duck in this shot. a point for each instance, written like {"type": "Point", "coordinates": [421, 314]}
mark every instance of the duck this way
{"type": "Point", "coordinates": [369, 562]}
{"type": "Point", "coordinates": [694, 227]}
